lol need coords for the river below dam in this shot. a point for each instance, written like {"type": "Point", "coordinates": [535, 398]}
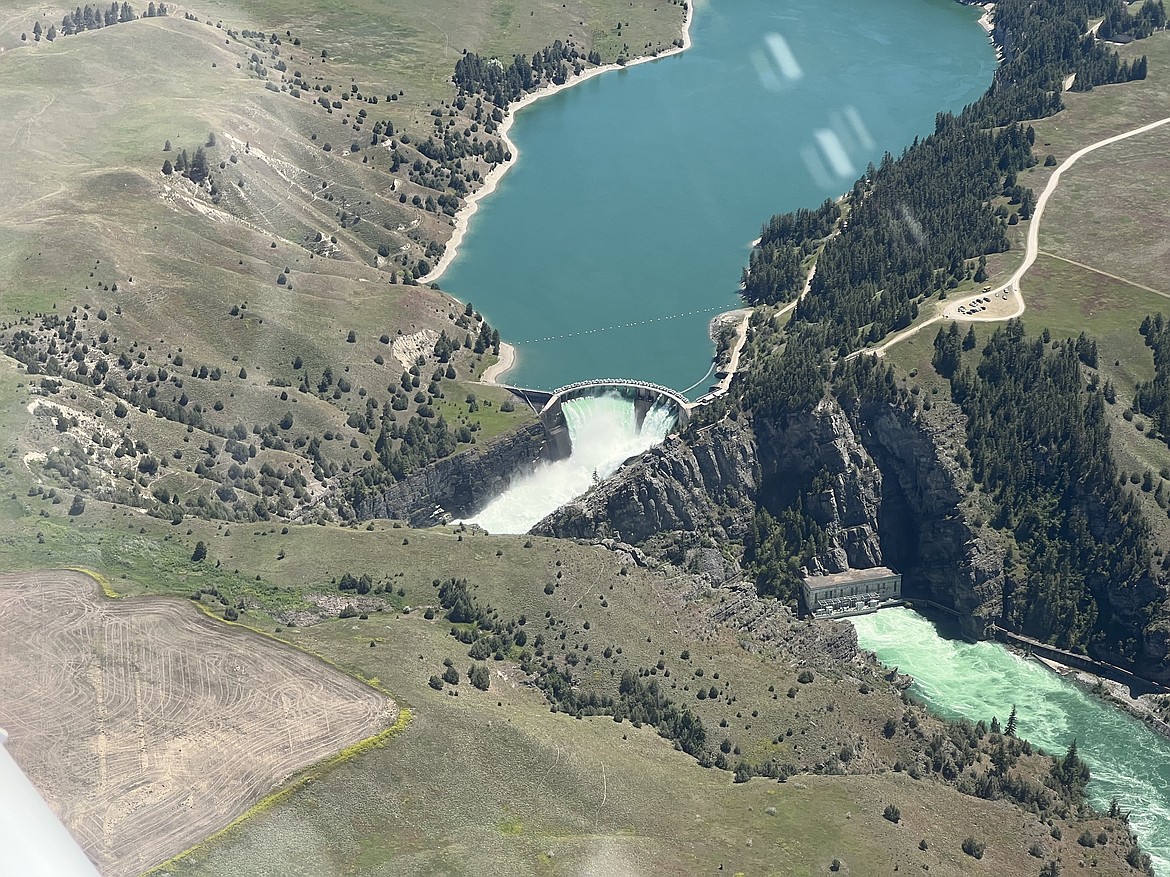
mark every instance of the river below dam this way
{"type": "Point", "coordinates": [629, 214]}
{"type": "Point", "coordinates": [958, 679]}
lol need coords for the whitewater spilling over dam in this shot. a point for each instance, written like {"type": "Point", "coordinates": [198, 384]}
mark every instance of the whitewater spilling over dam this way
{"type": "Point", "coordinates": [592, 428]}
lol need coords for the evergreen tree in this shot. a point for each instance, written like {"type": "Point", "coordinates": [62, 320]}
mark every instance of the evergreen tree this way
{"type": "Point", "coordinates": [198, 169]}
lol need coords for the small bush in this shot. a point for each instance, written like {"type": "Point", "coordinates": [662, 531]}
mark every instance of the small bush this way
{"type": "Point", "coordinates": [892, 813]}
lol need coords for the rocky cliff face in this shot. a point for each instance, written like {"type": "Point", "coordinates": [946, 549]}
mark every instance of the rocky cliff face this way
{"type": "Point", "coordinates": [458, 485]}
{"type": "Point", "coordinates": [926, 523]}
{"type": "Point", "coordinates": [707, 485]}
{"type": "Point", "coordinates": [823, 443]}
{"type": "Point", "coordinates": [710, 484]}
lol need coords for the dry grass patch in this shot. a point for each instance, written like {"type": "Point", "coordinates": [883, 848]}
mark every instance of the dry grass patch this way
{"type": "Point", "coordinates": [149, 726]}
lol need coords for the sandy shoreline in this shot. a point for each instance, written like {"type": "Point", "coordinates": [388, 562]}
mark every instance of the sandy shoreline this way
{"type": "Point", "coordinates": [985, 20]}
{"type": "Point", "coordinates": [463, 216]}
{"type": "Point", "coordinates": [495, 371]}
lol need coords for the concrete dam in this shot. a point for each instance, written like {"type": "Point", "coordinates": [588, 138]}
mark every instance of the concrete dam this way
{"type": "Point", "coordinates": [645, 397]}
{"type": "Point", "coordinates": [591, 428]}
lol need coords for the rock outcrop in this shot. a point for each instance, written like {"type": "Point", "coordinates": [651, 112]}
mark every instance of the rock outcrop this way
{"type": "Point", "coordinates": [710, 483]}
{"type": "Point", "coordinates": [821, 448]}
{"type": "Point", "coordinates": [886, 486]}
{"type": "Point", "coordinates": [705, 485]}
{"type": "Point", "coordinates": [928, 526]}
{"type": "Point", "coordinates": [458, 485]}
{"type": "Point", "coordinates": [766, 622]}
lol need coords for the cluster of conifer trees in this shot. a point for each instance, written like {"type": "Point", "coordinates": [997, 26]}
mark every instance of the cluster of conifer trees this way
{"type": "Point", "coordinates": [1120, 23]}
{"type": "Point", "coordinates": [195, 169]}
{"type": "Point", "coordinates": [914, 224]}
{"type": "Point", "coordinates": [1153, 397]}
{"type": "Point", "coordinates": [776, 271]}
{"type": "Point", "coordinates": [1040, 447]}
{"type": "Point", "coordinates": [93, 17]}
{"type": "Point", "coordinates": [639, 700]}
{"type": "Point", "coordinates": [768, 547]}
{"type": "Point", "coordinates": [501, 85]}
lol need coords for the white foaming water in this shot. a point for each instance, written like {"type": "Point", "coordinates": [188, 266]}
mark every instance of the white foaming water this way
{"type": "Point", "coordinates": [604, 434]}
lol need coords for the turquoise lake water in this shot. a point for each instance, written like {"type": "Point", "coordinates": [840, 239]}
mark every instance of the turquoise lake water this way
{"type": "Point", "coordinates": [637, 193]}
{"type": "Point", "coordinates": [958, 679]}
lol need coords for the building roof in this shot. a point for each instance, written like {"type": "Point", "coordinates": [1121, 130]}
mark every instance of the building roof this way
{"type": "Point", "coordinates": [849, 577]}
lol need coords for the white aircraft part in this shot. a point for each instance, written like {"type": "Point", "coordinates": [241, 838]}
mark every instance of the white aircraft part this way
{"type": "Point", "coordinates": [33, 842]}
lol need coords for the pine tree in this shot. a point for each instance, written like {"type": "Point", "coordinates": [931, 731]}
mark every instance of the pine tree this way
{"type": "Point", "coordinates": [1010, 730]}
{"type": "Point", "coordinates": [981, 271]}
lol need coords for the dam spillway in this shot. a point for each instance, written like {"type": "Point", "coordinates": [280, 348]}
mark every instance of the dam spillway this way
{"type": "Point", "coordinates": [601, 431]}
{"type": "Point", "coordinates": [644, 396]}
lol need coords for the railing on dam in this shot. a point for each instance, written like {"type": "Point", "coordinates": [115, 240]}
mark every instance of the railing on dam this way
{"type": "Point", "coordinates": [645, 395]}
{"type": "Point", "coordinates": [673, 395]}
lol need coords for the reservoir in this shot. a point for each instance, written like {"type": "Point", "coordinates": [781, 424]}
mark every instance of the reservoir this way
{"type": "Point", "coordinates": [957, 679]}
{"type": "Point", "coordinates": [624, 225]}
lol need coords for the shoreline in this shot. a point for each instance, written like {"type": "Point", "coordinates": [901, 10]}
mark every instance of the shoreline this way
{"type": "Point", "coordinates": [495, 371]}
{"type": "Point", "coordinates": [1109, 691]}
{"type": "Point", "coordinates": [985, 20]}
{"type": "Point", "coordinates": [492, 180]}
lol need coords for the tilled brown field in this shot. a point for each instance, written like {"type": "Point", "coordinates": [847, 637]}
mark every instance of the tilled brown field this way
{"type": "Point", "coordinates": [149, 726]}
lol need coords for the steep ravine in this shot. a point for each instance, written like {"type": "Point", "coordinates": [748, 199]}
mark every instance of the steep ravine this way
{"type": "Point", "coordinates": [927, 527]}
{"type": "Point", "coordinates": [895, 496]}
{"type": "Point", "coordinates": [457, 485]}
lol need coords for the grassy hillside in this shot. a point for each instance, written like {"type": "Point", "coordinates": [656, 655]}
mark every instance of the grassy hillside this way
{"type": "Point", "coordinates": [218, 304]}
{"type": "Point", "coordinates": [494, 780]}
{"type": "Point", "coordinates": [215, 218]}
